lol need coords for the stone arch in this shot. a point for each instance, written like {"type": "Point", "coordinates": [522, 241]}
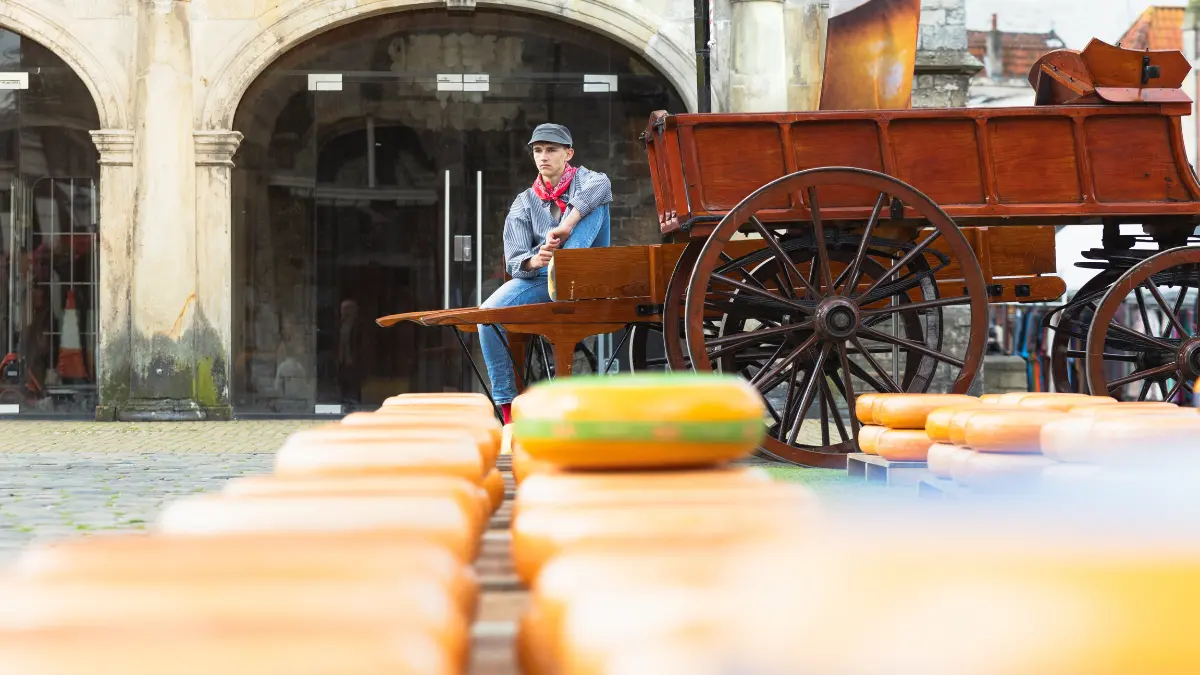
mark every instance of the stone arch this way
{"type": "Point", "coordinates": [289, 26]}
{"type": "Point", "coordinates": [19, 17]}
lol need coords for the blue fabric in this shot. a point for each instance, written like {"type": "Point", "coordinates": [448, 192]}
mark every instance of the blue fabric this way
{"type": "Point", "coordinates": [593, 231]}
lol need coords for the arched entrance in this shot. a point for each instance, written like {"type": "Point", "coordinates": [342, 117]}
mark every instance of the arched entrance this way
{"type": "Point", "coordinates": [49, 253]}
{"type": "Point", "coordinates": [379, 162]}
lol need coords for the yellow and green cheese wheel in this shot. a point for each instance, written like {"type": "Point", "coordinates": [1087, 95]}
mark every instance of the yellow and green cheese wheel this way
{"type": "Point", "coordinates": [638, 421]}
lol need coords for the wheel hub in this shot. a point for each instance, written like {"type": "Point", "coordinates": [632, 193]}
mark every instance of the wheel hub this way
{"type": "Point", "coordinates": [836, 318]}
{"type": "Point", "coordinates": [1189, 357]}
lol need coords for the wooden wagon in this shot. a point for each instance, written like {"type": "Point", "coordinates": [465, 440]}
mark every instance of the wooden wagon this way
{"type": "Point", "coordinates": [819, 254]}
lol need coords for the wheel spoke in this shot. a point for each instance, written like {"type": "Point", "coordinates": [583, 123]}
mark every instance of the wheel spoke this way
{"type": "Point", "coordinates": [837, 416]}
{"type": "Point", "coordinates": [809, 390]}
{"type": "Point", "coordinates": [1174, 389]}
{"type": "Point", "coordinates": [775, 369]}
{"type": "Point", "coordinates": [849, 390]}
{"type": "Point", "coordinates": [852, 272]}
{"type": "Point", "coordinates": [917, 306]}
{"type": "Point", "coordinates": [1080, 354]}
{"type": "Point", "coordinates": [1165, 346]}
{"type": "Point", "coordinates": [1184, 333]}
{"type": "Point", "coordinates": [1178, 306]}
{"type": "Point", "coordinates": [1142, 375]}
{"type": "Point", "coordinates": [1145, 390]}
{"type": "Point", "coordinates": [909, 344]}
{"type": "Point", "coordinates": [758, 334]}
{"type": "Point", "coordinates": [785, 261]}
{"type": "Point", "coordinates": [1142, 311]}
{"type": "Point", "coordinates": [819, 232]}
{"type": "Point", "coordinates": [739, 269]}
{"type": "Point", "coordinates": [892, 387]}
{"type": "Point", "coordinates": [917, 250]}
{"type": "Point", "coordinates": [751, 290]}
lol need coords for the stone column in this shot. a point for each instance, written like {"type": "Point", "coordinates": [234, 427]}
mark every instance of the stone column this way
{"type": "Point", "coordinates": [944, 66]}
{"type": "Point", "coordinates": [213, 339]}
{"type": "Point", "coordinates": [116, 271]}
{"type": "Point", "coordinates": [759, 78]}
{"type": "Point", "coordinates": [807, 24]}
{"type": "Point", "coordinates": [164, 319]}
{"type": "Point", "coordinates": [1191, 50]}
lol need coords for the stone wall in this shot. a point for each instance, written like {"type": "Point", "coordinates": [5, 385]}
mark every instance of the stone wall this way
{"type": "Point", "coordinates": [944, 66]}
{"type": "Point", "coordinates": [1004, 373]}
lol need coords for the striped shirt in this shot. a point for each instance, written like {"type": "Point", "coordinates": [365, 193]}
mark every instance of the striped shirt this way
{"type": "Point", "coordinates": [530, 219]}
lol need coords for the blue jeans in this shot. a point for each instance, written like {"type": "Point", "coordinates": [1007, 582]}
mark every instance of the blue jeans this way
{"type": "Point", "coordinates": [591, 232]}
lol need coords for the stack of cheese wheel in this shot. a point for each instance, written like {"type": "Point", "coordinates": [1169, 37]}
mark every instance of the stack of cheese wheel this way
{"type": "Point", "coordinates": [362, 539]}
{"type": "Point", "coordinates": [894, 424]}
{"type": "Point", "coordinates": [640, 483]}
{"type": "Point", "coordinates": [996, 446]}
{"type": "Point", "coordinates": [1101, 445]}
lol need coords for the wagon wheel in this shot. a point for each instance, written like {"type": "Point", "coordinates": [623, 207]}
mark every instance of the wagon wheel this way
{"type": "Point", "coordinates": [1166, 359]}
{"type": "Point", "coordinates": [1071, 332]}
{"type": "Point", "coordinates": [829, 320]}
{"type": "Point", "coordinates": [539, 360]}
{"type": "Point", "coordinates": [647, 335]}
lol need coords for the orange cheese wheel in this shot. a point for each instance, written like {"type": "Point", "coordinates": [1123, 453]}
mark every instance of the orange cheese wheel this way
{"type": "Point", "coordinates": [143, 557]}
{"type": "Point", "coordinates": [473, 404]}
{"type": "Point", "coordinates": [909, 411]}
{"type": "Point", "coordinates": [493, 483]}
{"type": "Point", "coordinates": [262, 650]}
{"type": "Point", "coordinates": [486, 434]}
{"type": "Point", "coordinates": [541, 534]}
{"type": "Point", "coordinates": [472, 497]}
{"type": "Point", "coordinates": [997, 472]}
{"type": "Point", "coordinates": [524, 466]}
{"type": "Point", "coordinates": [640, 421]}
{"type": "Point", "coordinates": [956, 430]}
{"type": "Point", "coordinates": [990, 399]}
{"type": "Point", "coordinates": [1121, 439]}
{"type": "Point", "coordinates": [937, 424]}
{"type": "Point", "coordinates": [1132, 408]}
{"type": "Point", "coordinates": [438, 518]}
{"type": "Point", "coordinates": [1016, 397]}
{"type": "Point", "coordinates": [414, 603]}
{"type": "Point", "coordinates": [942, 457]}
{"type": "Point", "coordinates": [904, 445]}
{"type": "Point", "coordinates": [864, 407]}
{"type": "Point", "coordinates": [321, 453]}
{"type": "Point", "coordinates": [576, 490]}
{"type": "Point", "coordinates": [1061, 402]}
{"type": "Point", "coordinates": [868, 438]}
{"type": "Point", "coordinates": [1009, 431]}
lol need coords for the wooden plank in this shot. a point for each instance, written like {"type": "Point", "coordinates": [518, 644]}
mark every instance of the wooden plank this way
{"type": "Point", "coordinates": [619, 311]}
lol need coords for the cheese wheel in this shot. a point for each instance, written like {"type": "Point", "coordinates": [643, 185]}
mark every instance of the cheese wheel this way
{"type": "Point", "coordinates": [904, 445]}
{"type": "Point", "coordinates": [440, 519]}
{"type": "Point", "coordinates": [868, 438]}
{"type": "Point", "coordinates": [494, 489]}
{"type": "Point", "coordinates": [1132, 408]}
{"type": "Point", "coordinates": [864, 407]}
{"type": "Point", "coordinates": [909, 411]}
{"type": "Point", "coordinates": [956, 430]}
{"type": "Point", "coordinates": [320, 453]}
{"type": "Point", "coordinates": [942, 457]}
{"type": "Point", "coordinates": [640, 421]}
{"type": "Point", "coordinates": [486, 433]}
{"type": "Point", "coordinates": [262, 650]}
{"type": "Point", "coordinates": [1122, 439]}
{"type": "Point", "coordinates": [581, 490]}
{"type": "Point", "coordinates": [996, 472]}
{"type": "Point", "coordinates": [473, 498]}
{"type": "Point", "coordinates": [1063, 402]}
{"type": "Point", "coordinates": [143, 557]}
{"type": "Point", "coordinates": [937, 424]}
{"type": "Point", "coordinates": [990, 399]}
{"type": "Point", "coordinates": [541, 534]}
{"type": "Point", "coordinates": [414, 603]}
{"type": "Point", "coordinates": [524, 466]}
{"type": "Point", "coordinates": [1016, 397]}
{"type": "Point", "coordinates": [473, 404]}
{"type": "Point", "coordinates": [1009, 431]}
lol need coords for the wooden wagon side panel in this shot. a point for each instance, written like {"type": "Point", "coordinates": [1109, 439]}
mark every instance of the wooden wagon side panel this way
{"type": "Point", "coordinates": [1034, 160]}
{"type": "Point", "coordinates": [939, 157]}
{"type": "Point", "coordinates": [726, 162]}
{"type": "Point", "coordinates": [854, 143]}
{"type": "Point", "coordinates": [1132, 159]}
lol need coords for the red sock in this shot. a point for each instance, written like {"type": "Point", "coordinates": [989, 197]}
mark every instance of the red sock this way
{"type": "Point", "coordinates": [506, 410]}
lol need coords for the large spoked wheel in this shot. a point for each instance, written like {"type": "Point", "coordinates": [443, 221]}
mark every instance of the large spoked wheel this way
{"type": "Point", "coordinates": [815, 336]}
{"type": "Point", "coordinates": [1141, 343]}
{"type": "Point", "coordinates": [1067, 349]}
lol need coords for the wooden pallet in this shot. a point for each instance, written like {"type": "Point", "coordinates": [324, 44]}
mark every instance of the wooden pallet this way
{"type": "Point", "coordinates": [932, 487]}
{"type": "Point", "coordinates": [875, 469]}
{"type": "Point", "coordinates": [503, 599]}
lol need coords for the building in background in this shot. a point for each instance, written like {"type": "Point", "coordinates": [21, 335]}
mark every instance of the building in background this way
{"type": "Point", "coordinates": [1160, 28]}
{"type": "Point", "coordinates": [1007, 58]}
{"type": "Point", "coordinates": [195, 191]}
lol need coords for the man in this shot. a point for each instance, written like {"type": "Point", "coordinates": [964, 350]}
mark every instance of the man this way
{"type": "Point", "coordinates": [567, 207]}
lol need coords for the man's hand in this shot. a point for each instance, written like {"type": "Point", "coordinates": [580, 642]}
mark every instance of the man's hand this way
{"type": "Point", "coordinates": [557, 236]}
{"type": "Point", "coordinates": [541, 258]}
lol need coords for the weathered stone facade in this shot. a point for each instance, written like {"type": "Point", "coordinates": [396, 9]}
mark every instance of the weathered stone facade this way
{"type": "Point", "coordinates": [168, 77]}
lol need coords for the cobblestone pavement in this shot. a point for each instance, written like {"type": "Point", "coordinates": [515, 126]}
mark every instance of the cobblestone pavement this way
{"type": "Point", "coordinates": [62, 479]}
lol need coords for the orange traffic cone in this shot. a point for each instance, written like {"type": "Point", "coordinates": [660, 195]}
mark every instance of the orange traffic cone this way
{"type": "Point", "coordinates": [70, 348]}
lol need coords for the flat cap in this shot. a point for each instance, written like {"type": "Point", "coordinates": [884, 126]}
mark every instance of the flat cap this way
{"type": "Point", "coordinates": [551, 133]}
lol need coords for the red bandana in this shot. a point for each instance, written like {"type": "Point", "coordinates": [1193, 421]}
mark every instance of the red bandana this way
{"type": "Point", "coordinates": [539, 188]}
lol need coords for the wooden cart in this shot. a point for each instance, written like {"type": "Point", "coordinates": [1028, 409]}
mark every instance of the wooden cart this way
{"type": "Point", "coordinates": [819, 254]}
